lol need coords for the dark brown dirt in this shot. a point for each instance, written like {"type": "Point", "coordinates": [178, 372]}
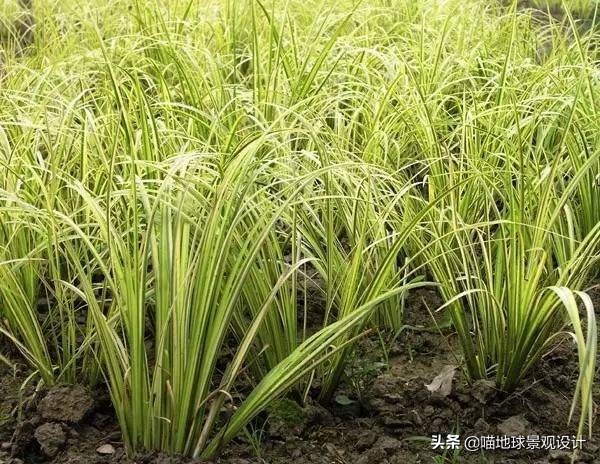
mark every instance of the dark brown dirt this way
{"type": "Point", "coordinates": [384, 413]}
{"type": "Point", "coordinates": [393, 419]}
{"type": "Point", "coordinates": [66, 404]}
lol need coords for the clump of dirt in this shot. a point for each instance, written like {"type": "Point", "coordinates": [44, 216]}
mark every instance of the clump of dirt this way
{"type": "Point", "coordinates": [68, 403]}
{"type": "Point", "coordinates": [51, 438]}
{"type": "Point", "coordinates": [65, 424]}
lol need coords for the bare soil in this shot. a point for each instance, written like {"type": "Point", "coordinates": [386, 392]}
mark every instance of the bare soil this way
{"type": "Point", "coordinates": [384, 413]}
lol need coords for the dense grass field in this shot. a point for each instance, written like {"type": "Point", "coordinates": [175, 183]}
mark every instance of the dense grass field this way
{"type": "Point", "coordinates": [221, 218]}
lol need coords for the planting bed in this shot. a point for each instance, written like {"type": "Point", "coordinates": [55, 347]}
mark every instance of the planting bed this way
{"type": "Point", "coordinates": [389, 418]}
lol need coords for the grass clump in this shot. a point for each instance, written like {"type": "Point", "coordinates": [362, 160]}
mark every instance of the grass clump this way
{"type": "Point", "coordinates": [173, 177]}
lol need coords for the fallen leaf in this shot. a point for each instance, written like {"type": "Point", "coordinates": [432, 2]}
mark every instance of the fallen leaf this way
{"type": "Point", "coordinates": [442, 383]}
{"type": "Point", "coordinates": [343, 400]}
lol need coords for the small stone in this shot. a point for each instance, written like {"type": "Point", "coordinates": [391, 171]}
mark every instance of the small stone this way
{"type": "Point", "coordinates": [5, 446]}
{"type": "Point", "coordinates": [106, 449]}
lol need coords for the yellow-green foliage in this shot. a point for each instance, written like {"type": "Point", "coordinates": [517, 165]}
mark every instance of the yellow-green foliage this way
{"type": "Point", "coordinates": [175, 175]}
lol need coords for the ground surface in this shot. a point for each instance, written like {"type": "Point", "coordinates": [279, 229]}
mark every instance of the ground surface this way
{"type": "Point", "coordinates": [386, 415]}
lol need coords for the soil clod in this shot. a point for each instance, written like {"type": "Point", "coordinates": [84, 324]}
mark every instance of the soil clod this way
{"type": "Point", "coordinates": [515, 425]}
{"type": "Point", "coordinates": [67, 403]}
{"type": "Point", "coordinates": [483, 391]}
{"type": "Point", "coordinates": [51, 437]}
